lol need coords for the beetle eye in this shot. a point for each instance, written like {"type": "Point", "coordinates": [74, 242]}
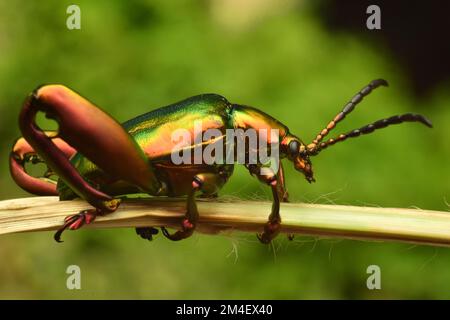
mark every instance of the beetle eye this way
{"type": "Point", "coordinates": [294, 148]}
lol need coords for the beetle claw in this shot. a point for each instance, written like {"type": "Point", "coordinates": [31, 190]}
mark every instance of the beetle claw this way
{"type": "Point", "coordinates": [187, 229]}
{"type": "Point", "coordinates": [76, 221]}
{"type": "Point", "coordinates": [271, 230]}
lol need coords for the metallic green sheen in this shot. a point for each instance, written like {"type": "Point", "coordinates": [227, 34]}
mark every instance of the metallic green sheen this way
{"type": "Point", "coordinates": [152, 132]}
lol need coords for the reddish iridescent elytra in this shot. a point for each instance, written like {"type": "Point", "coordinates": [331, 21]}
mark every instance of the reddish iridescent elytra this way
{"type": "Point", "coordinates": [98, 159]}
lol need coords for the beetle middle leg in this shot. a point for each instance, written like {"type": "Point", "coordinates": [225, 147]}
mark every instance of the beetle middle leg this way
{"type": "Point", "coordinates": [209, 183]}
{"type": "Point", "coordinates": [191, 216]}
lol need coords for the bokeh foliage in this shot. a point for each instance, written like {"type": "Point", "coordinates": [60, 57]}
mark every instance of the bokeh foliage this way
{"type": "Point", "coordinates": [133, 56]}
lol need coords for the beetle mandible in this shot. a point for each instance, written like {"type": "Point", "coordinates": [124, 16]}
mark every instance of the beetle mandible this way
{"type": "Point", "coordinates": [98, 159]}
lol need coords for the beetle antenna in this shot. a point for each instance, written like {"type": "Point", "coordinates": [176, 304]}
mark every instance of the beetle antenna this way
{"type": "Point", "coordinates": [408, 117]}
{"type": "Point", "coordinates": [357, 98]}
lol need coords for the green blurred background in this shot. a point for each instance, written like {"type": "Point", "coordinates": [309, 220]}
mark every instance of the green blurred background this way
{"type": "Point", "coordinates": [133, 56]}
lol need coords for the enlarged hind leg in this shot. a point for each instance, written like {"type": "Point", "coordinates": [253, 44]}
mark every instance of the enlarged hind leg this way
{"type": "Point", "coordinates": [94, 134]}
{"type": "Point", "coordinates": [23, 153]}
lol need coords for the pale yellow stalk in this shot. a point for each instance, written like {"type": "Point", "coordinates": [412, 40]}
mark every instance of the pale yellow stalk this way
{"type": "Point", "coordinates": [367, 223]}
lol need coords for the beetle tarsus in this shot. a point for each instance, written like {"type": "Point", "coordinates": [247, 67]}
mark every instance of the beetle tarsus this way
{"type": "Point", "coordinates": [76, 221]}
{"type": "Point", "coordinates": [271, 230]}
{"type": "Point", "coordinates": [187, 229]}
{"type": "Point", "coordinates": [146, 233]}
{"type": "Point", "coordinates": [191, 217]}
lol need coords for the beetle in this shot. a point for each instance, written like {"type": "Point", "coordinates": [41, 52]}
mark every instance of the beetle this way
{"type": "Point", "coordinates": [98, 159]}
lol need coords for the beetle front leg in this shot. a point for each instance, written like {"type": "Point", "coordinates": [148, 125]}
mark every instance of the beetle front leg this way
{"type": "Point", "coordinates": [281, 185]}
{"type": "Point", "coordinates": [282, 192]}
{"type": "Point", "coordinates": [272, 227]}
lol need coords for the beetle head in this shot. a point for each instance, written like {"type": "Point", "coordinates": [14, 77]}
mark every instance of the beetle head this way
{"type": "Point", "coordinates": [296, 151]}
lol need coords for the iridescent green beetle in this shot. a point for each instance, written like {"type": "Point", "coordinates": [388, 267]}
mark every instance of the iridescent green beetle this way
{"type": "Point", "coordinates": [98, 159]}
